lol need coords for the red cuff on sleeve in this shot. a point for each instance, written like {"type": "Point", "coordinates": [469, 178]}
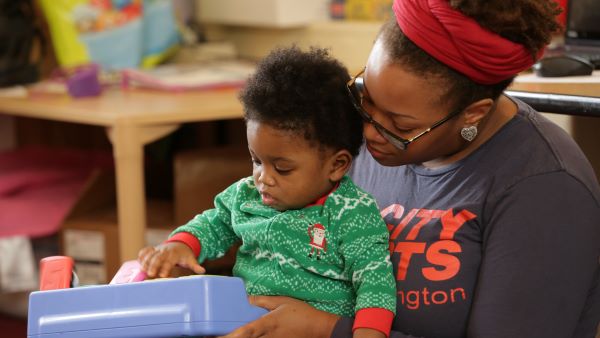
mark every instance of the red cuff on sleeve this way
{"type": "Point", "coordinates": [374, 318]}
{"type": "Point", "coordinates": [187, 239]}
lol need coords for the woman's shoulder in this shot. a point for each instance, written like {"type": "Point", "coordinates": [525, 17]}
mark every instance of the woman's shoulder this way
{"type": "Point", "coordinates": [531, 145]}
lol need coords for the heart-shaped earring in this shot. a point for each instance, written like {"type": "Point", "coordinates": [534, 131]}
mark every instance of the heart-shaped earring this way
{"type": "Point", "coordinates": [469, 133]}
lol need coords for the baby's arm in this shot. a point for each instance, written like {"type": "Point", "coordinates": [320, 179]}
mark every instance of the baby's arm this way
{"type": "Point", "coordinates": [206, 236]}
{"type": "Point", "coordinates": [365, 247]}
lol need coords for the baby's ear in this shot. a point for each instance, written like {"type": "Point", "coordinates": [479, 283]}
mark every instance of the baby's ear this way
{"type": "Point", "coordinates": [340, 164]}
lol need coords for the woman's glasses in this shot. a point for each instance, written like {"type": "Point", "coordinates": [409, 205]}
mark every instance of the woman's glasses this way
{"type": "Point", "coordinates": [355, 87]}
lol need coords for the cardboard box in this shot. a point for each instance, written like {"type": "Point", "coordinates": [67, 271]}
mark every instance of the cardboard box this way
{"type": "Point", "coordinates": [200, 175]}
{"type": "Point", "coordinates": [90, 234]}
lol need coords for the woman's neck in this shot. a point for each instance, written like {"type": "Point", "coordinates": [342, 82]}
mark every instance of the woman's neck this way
{"type": "Point", "coordinates": [504, 111]}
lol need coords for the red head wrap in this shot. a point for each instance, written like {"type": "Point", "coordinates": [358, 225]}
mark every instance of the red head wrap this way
{"type": "Point", "coordinates": [460, 42]}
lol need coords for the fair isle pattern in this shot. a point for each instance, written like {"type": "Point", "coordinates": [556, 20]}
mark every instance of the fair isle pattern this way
{"type": "Point", "coordinates": [348, 268]}
{"type": "Point", "coordinates": [248, 181]}
{"type": "Point", "coordinates": [281, 259]}
{"type": "Point", "coordinates": [372, 266]}
{"type": "Point", "coordinates": [350, 203]}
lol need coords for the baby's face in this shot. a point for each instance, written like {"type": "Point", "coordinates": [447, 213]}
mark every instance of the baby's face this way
{"type": "Point", "coordinates": [288, 171]}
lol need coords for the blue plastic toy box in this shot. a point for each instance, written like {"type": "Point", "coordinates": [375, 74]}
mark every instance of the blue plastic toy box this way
{"type": "Point", "coordinates": [179, 307]}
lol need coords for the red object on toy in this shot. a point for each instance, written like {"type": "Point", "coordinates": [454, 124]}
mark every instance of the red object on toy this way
{"type": "Point", "coordinates": [56, 272]}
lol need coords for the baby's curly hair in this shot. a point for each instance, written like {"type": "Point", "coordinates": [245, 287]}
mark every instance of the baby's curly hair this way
{"type": "Point", "coordinates": [530, 23]}
{"type": "Point", "coordinates": [305, 93]}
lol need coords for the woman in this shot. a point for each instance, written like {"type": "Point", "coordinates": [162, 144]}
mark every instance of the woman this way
{"type": "Point", "coordinates": [493, 211]}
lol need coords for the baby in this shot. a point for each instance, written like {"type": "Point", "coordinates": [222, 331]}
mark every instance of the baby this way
{"type": "Point", "coordinates": [306, 230]}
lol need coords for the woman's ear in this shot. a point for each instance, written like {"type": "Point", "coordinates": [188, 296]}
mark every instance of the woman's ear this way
{"type": "Point", "coordinates": [339, 165]}
{"type": "Point", "coordinates": [476, 111]}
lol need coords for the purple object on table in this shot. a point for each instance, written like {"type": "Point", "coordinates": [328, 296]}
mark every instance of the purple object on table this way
{"type": "Point", "coordinates": [84, 82]}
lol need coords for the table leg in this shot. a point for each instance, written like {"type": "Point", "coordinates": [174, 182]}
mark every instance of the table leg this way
{"type": "Point", "coordinates": [128, 151]}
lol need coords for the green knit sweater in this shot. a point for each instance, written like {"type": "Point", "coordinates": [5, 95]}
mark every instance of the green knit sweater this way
{"type": "Point", "coordinates": [333, 256]}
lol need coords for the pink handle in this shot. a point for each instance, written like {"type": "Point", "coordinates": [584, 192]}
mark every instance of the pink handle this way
{"type": "Point", "coordinates": [129, 272]}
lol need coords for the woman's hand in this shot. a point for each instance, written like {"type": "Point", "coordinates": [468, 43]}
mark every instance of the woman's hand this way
{"type": "Point", "coordinates": [288, 317]}
{"type": "Point", "coordinates": [158, 261]}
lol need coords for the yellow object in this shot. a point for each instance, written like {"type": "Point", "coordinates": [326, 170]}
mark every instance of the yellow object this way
{"type": "Point", "coordinates": [116, 34]}
{"type": "Point", "coordinates": [151, 61]}
{"type": "Point", "coordinates": [373, 10]}
{"type": "Point", "coordinates": [69, 50]}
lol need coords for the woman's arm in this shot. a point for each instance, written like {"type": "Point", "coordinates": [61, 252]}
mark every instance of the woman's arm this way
{"type": "Point", "coordinates": [343, 329]}
{"type": "Point", "coordinates": [288, 317]}
{"type": "Point", "coordinates": [293, 318]}
{"type": "Point", "coordinates": [539, 275]}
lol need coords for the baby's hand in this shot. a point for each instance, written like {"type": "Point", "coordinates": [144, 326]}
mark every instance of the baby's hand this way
{"type": "Point", "coordinates": [159, 260]}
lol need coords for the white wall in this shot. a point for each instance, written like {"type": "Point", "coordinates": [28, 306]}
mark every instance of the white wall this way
{"type": "Point", "coordinates": [348, 41]}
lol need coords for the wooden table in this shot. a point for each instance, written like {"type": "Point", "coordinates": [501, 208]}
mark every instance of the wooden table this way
{"type": "Point", "coordinates": [574, 85]}
{"type": "Point", "coordinates": [132, 118]}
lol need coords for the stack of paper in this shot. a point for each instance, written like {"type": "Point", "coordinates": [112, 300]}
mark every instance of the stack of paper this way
{"type": "Point", "coordinates": [179, 77]}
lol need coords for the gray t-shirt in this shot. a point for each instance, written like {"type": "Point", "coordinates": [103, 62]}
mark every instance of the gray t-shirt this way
{"type": "Point", "coordinates": [504, 243]}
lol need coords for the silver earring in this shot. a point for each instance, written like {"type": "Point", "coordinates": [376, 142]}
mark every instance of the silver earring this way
{"type": "Point", "coordinates": [469, 133]}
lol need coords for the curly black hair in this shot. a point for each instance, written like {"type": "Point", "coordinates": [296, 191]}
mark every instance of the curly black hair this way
{"type": "Point", "coordinates": [304, 92]}
{"type": "Point", "coordinates": [530, 23]}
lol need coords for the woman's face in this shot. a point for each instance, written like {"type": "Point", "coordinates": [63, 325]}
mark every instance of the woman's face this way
{"type": "Point", "coordinates": [406, 104]}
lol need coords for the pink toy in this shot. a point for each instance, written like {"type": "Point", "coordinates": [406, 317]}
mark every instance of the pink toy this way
{"type": "Point", "coordinates": [130, 271]}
